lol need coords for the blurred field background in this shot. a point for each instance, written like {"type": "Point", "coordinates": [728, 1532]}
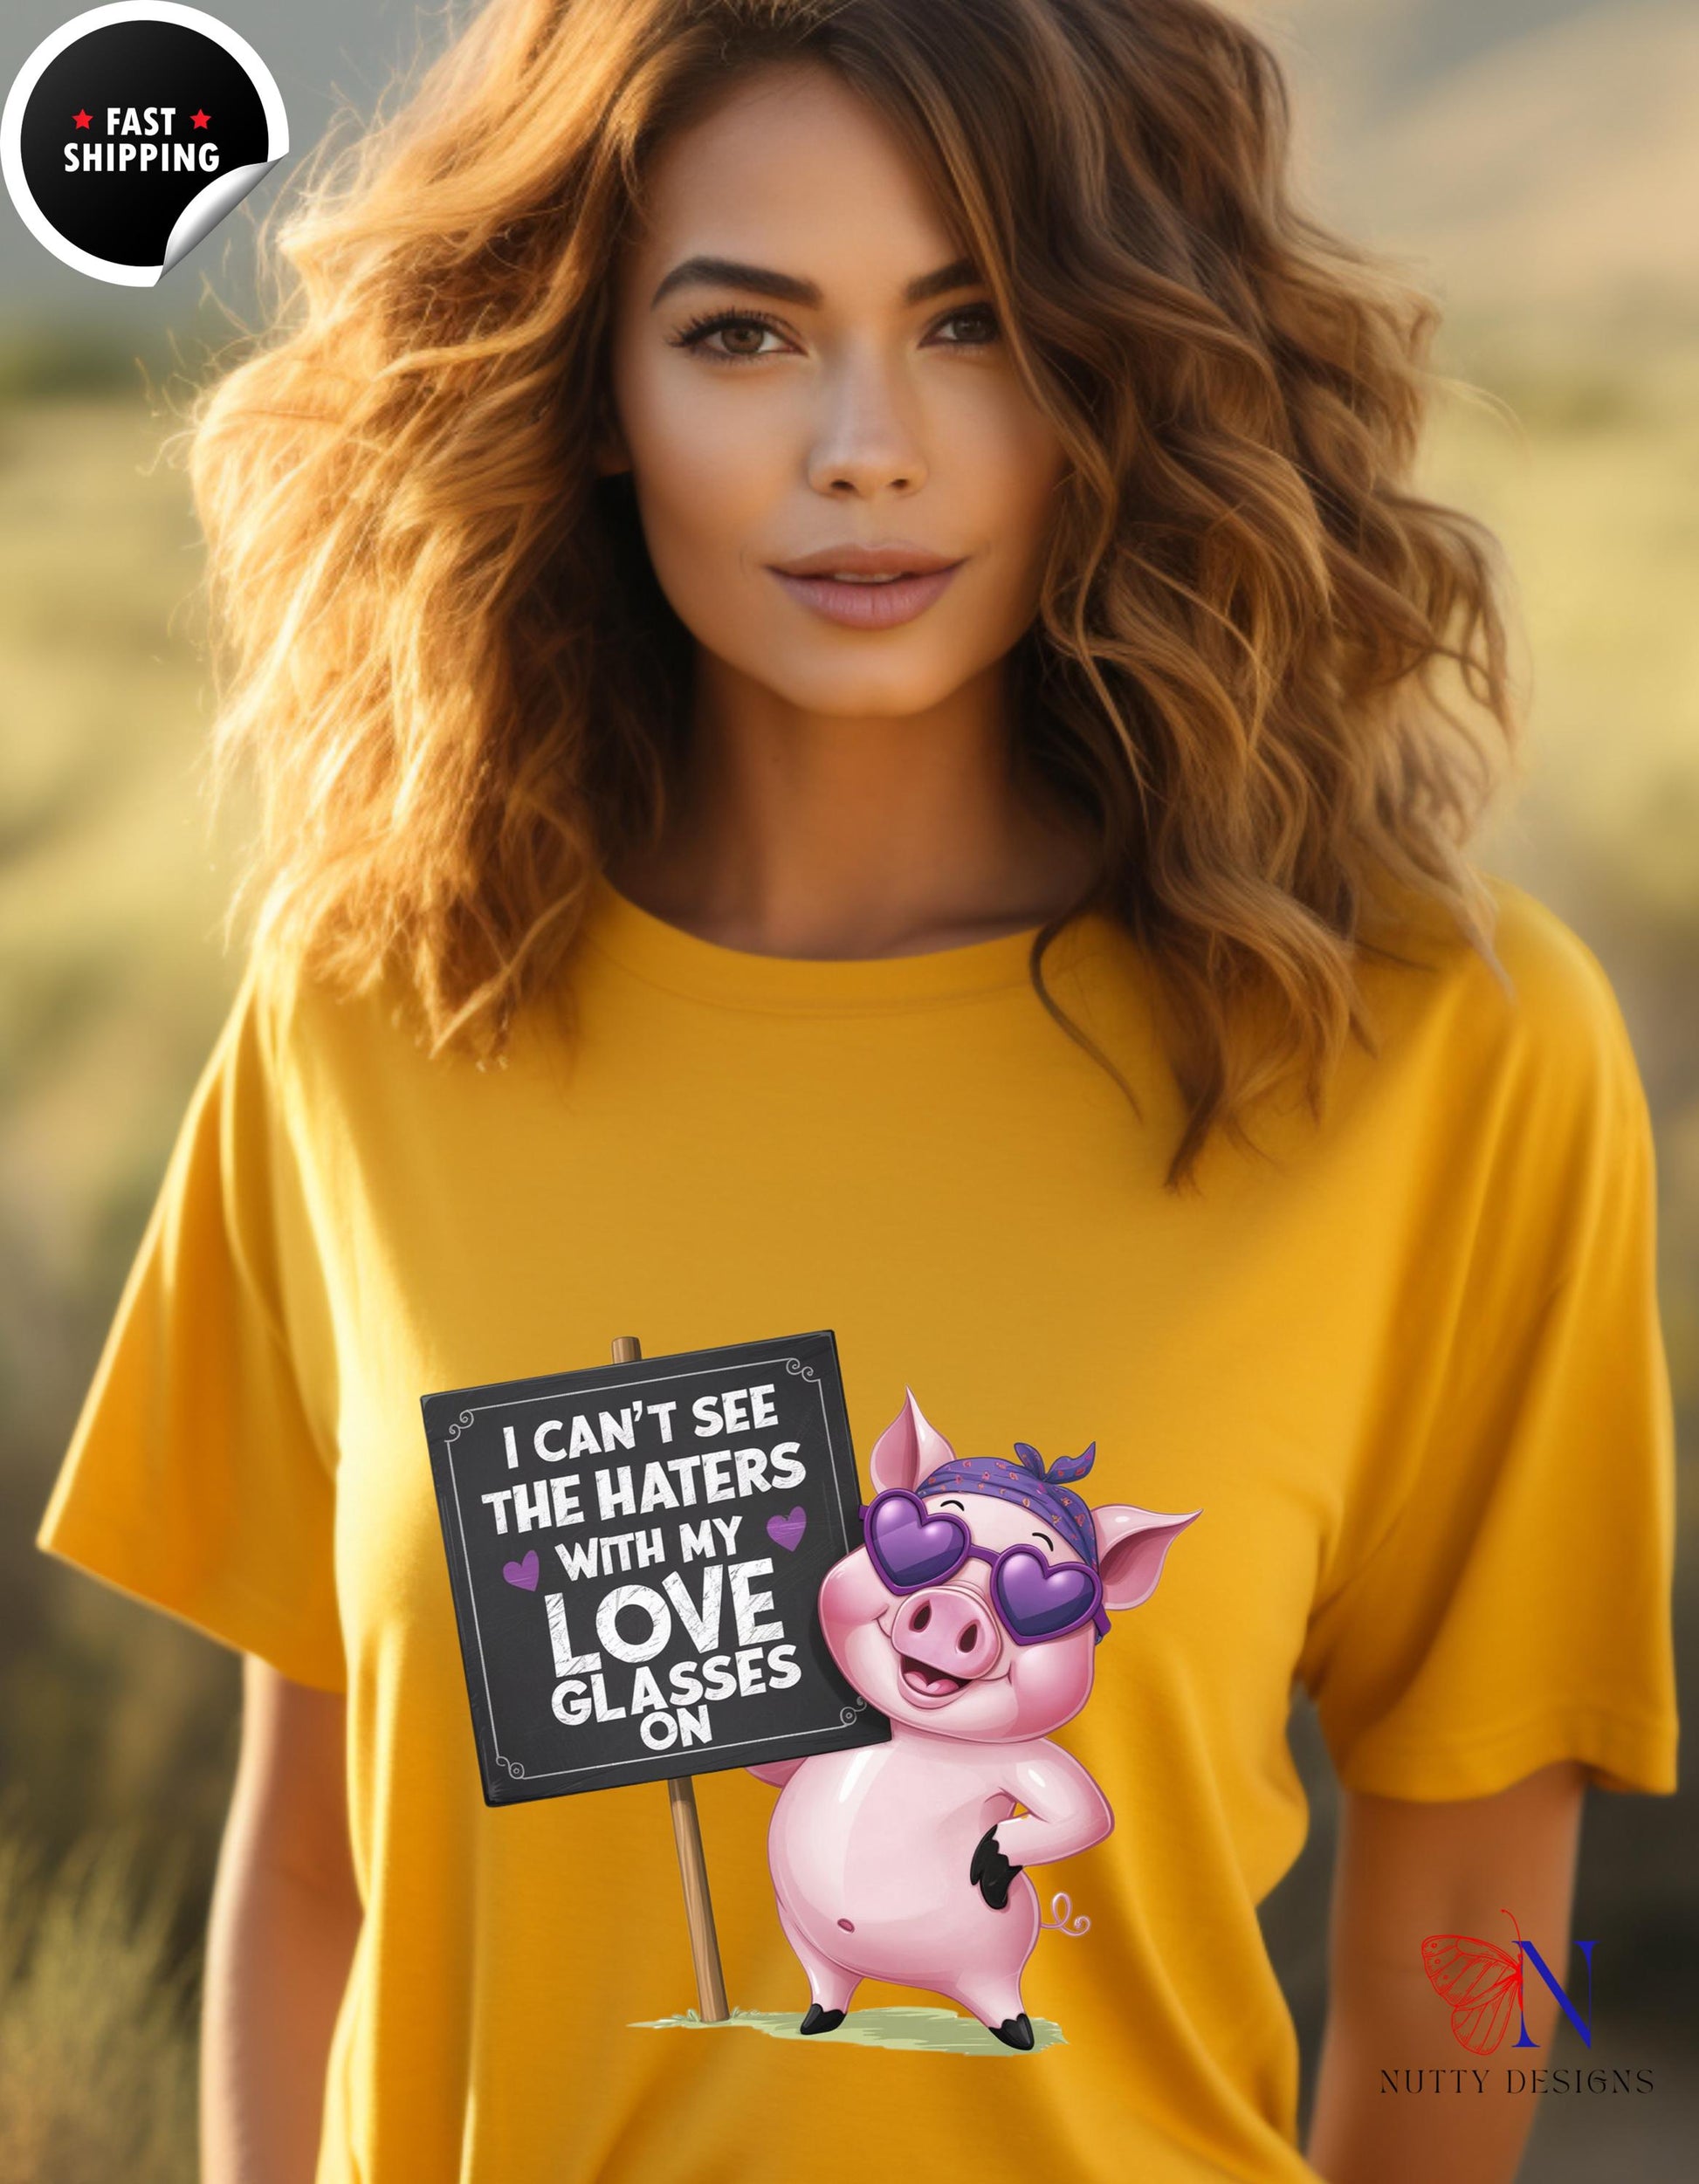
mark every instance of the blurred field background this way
{"type": "Point", "coordinates": [1536, 164]}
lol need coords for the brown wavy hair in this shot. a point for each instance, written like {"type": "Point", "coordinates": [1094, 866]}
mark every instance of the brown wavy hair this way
{"type": "Point", "coordinates": [442, 649]}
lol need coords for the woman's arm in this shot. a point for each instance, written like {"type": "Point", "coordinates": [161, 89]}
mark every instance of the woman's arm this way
{"type": "Point", "coordinates": [1406, 1870]}
{"type": "Point", "coordinates": [285, 1915]}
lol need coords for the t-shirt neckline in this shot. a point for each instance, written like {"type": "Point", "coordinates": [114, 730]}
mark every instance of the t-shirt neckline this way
{"type": "Point", "coordinates": [683, 962]}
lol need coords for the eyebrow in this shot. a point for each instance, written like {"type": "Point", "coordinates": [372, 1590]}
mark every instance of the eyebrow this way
{"type": "Point", "coordinates": [729, 272]}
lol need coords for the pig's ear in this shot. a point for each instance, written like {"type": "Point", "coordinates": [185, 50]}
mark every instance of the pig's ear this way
{"type": "Point", "coordinates": [1132, 1544]}
{"type": "Point", "coordinates": [908, 1449]}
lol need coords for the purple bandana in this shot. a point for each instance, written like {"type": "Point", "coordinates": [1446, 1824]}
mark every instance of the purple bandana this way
{"type": "Point", "coordinates": [1029, 1483]}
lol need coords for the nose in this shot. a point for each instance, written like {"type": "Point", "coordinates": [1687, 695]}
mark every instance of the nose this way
{"type": "Point", "coordinates": [949, 1630]}
{"type": "Point", "coordinates": [866, 441]}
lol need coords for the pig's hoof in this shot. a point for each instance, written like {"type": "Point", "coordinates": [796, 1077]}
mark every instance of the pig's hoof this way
{"type": "Point", "coordinates": [1014, 2032]}
{"type": "Point", "coordinates": [819, 2020]}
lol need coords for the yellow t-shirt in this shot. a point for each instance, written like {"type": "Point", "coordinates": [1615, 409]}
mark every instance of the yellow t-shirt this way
{"type": "Point", "coordinates": [1406, 1362]}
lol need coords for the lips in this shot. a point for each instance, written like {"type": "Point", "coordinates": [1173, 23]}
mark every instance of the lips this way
{"type": "Point", "coordinates": [895, 558]}
{"type": "Point", "coordinates": [858, 604]}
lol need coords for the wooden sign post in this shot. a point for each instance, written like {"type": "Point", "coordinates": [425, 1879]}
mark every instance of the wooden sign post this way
{"type": "Point", "coordinates": [687, 1839]}
{"type": "Point", "coordinates": [635, 1554]}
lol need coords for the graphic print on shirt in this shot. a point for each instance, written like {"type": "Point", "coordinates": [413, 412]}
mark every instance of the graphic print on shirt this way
{"type": "Point", "coordinates": [634, 1602]}
{"type": "Point", "coordinates": [970, 1617]}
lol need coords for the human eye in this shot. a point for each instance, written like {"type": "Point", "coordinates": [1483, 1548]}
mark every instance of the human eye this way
{"type": "Point", "coordinates": [696, 335]}
{"type": "Point", "coordinates": [981, 314]}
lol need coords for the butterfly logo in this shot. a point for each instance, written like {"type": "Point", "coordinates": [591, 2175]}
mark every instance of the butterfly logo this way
{"type": "Point", "coordinates": [1481, 1982]}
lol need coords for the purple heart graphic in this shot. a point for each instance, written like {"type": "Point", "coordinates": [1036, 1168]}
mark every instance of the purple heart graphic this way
{"type": "Point", "coordinates": [786, 1531]}
{"type": "Point", "coordinates": [1037, 1600]}
{"type": "Point", "coordinates": [522, 1573]}
{"type": "Point", "coordinates": [909, 1547]}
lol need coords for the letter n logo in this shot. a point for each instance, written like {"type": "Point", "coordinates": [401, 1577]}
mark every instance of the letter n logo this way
{"type": "Point", "coordinates": [1531, 1955]}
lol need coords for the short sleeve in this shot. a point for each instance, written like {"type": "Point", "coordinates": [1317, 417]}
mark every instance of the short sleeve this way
{"type": "Point", "coordinates": [194, 1478]}
{"type": "Point", "coordinates": [1516, 1608]}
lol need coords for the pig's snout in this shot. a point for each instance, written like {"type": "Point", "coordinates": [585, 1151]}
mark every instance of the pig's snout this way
{"type": "Point", "coordinates": [944, 1638]}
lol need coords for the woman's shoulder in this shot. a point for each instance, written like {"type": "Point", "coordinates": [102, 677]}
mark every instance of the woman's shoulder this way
{"type": "Point", "coordinates": [1537, 999]}
{"type": "Point", "coordinates": [1527, 1045]}
{"type": "Point", "coordinates": [313, 1034]}
{"type": "Point", "coordinates": [1560, 984]}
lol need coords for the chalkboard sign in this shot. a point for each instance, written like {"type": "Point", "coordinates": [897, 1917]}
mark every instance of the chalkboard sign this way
{"type": "Point", "coordinates": [635, 1552]}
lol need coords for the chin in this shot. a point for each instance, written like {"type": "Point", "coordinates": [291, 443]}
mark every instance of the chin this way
{"type": "Point", "coordinates": [840, 686]}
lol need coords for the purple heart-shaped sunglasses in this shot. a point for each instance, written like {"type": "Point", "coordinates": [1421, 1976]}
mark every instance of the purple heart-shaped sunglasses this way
{"type": "Point", "coordinates": [913, 1547]}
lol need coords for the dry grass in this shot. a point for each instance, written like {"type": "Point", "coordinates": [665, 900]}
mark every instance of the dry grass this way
{"type": "Point", "coordinates": [1592, 483]}
{"type": "Point", "coordinates": [97, 2057]}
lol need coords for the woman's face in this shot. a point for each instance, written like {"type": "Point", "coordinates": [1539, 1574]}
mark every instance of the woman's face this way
{"type": "Point", "coordinates": [837, 381]}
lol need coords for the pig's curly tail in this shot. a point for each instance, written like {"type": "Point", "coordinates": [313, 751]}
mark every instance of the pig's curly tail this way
{"type": "Point", "coordinates": [1064, 1921]}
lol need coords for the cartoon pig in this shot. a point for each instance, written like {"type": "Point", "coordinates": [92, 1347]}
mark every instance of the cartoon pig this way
{"type": "Point", "coordinates": [971, 1617]}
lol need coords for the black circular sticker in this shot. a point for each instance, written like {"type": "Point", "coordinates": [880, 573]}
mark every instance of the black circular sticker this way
{"type": "Point", "coordinates": [132, 130]}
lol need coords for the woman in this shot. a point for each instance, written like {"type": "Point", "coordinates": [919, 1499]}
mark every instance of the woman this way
{"type": "Point", "coordinates": [834, 590]}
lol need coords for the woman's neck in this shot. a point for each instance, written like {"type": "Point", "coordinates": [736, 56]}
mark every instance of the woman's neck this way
{"type": "Point", "coordinates": [809, 835]}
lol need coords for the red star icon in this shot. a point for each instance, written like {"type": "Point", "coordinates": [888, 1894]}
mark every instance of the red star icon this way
{"type": "Point", "coordinates": [81, 119]}
{"type": "Point", "coordinates": [199, 119]}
